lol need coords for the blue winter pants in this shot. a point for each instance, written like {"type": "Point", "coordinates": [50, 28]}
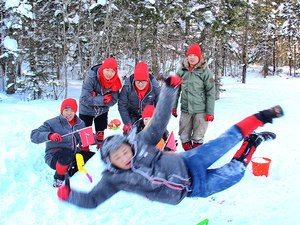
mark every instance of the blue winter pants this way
{"type": "Point", "coordinates": [206, 182]}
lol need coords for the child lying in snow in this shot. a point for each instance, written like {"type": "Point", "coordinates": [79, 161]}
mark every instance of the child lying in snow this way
{"type": "Point", "coordinates": [135, 165]}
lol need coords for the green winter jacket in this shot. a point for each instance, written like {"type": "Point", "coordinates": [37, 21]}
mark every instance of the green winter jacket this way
{"type": "Point", "coordinates": [197, 89]}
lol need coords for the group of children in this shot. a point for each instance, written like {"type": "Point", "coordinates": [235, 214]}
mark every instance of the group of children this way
{"type": "Point", "coordinates": [133, 161]}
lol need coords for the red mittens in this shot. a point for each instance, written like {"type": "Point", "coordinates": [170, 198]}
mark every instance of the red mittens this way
{"type": "Point", "coordinates": [174, 112]}
{"type": "Point", "coordinates": [107, 98]}
{"type": "Point", "coordinates": [209, 118]}
{"type": "Point", "coordinates": [126, 128]}
{"type": "Point", "coordinates": [55, 137]}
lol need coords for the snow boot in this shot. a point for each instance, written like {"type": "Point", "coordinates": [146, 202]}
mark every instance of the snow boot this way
{"type": "Point", "coordinates": [195, 145]}
{"type": "Point", "coordinates": [57, 182]}
{"type": "Point", "coordinates": [244, 154]}
{"type": "Point", "coordinates": [187, 146]}
{"type": "Point", "coordinates": [58, 179]}
{"type": "Point", "coordinates": [249, 124]}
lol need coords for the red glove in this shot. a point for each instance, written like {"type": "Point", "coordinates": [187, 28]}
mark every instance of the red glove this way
{"type": "Point", "coordinates": [126, 128]}
{"type": "Point", "coordinates": [174, 80]}
{"type": "Point", "coordinates": [174, 112]}
{"type": "Point", "coordinates": [107, 98]}
{"type": "Point", "coordinates": [100, 136]}
{"type": "Point", "coordinates": [55, 137]}
{"type": "Point", "coordinates": [63, 191]}
{"type": "Point", "coordinates": [209, 118]}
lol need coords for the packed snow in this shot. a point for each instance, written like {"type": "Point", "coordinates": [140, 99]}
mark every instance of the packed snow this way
{"type": "Point", "coordinates": [27, 195]}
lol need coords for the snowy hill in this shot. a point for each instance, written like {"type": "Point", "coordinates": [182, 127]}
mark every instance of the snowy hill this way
{"type": "Point", "coordinates": [27, 197]}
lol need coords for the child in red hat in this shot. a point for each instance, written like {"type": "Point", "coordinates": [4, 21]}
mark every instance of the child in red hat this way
{"type": "Point", "coordinates": [62, 143]}
{"type": "Point", "coordinates": [197, 107]}
{"type": "Point", "coordinates": [99, 92]}
{"type": "Point", "coordinates": [140, 124]}
{"type": "Point", "coordinates": [139, 90]}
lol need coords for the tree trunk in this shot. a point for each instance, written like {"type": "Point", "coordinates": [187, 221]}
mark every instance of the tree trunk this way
{"type": "Point", "coordinates": [245, 47]}
{"type": "Point", "coordinates": [11, 75]}
{"type": "Point", "coordinates": [154, 53]}
{"type": "Point", "coordinates": [217, 69]}
{"type": "Point", "coordinates": [274, 56]}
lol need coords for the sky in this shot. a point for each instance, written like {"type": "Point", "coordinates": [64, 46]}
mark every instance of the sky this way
{"type": "Point", "coordinates": [27, 195]}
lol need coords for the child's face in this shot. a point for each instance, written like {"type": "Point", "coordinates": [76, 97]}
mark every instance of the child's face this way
{"type": "Point", "coordinates": [68, 113]}
{"type": "Point", "coordinates": [193, 59]}
{"type": "Point", "coordinates": [108, 73]}
{"type": "Point", "coordinates": [146, 120]}
{"type": "Point", "coordinates": [141, 84]}
{"type": "Point", "coordinates": [121, 158]}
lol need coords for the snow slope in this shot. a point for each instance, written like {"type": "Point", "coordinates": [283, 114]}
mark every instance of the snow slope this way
{"type": "Point", "coordinates": [27, 197]}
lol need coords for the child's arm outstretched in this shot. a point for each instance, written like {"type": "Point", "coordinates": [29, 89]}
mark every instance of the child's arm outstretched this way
{"type": "Point", "coordinates": [100, 193]}
{"type": "Point", "coordinates": [154, 132]}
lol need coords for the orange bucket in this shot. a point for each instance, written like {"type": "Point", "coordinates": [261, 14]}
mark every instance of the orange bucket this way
{"type": "Point", "coordinates": [260, 166]}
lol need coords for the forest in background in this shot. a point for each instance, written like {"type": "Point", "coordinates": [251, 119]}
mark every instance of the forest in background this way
{"type": "Point", "coordinates": [61, 40]}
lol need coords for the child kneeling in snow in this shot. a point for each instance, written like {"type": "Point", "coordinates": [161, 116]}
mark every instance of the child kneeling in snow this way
{"type": "Point", "coordinates": [61, 147]}
{"type": "Point", "coordinates": [134, 164]}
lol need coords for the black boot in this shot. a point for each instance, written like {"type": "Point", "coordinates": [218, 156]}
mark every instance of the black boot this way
{"type": "Point", "coordinates": [244, 154]}
{"type": "Point", "coordinates": [257, 138]}
{"type": "Point", "coordinates": [267, 115]}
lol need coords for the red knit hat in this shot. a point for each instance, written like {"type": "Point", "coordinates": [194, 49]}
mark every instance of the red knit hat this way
{"type": "Point", "coordinates": [196, 50]}
{"type": "Point", "coordinates": [110, 63]}
{"type": "Point", "coordinates": [69, 103]}
{"type": "Point", "coordinates": [148, 111]}
{"type": "Point", "coordinates": [141, 71]}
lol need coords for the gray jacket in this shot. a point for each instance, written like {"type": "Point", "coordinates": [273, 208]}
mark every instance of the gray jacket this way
{"type": "Point", "coordinates": [130, 106]}
{"type": "Point", "coordinates": [61, 126]}
{"type": "Point", "coordinates": [91, 105]}
{"type": "Point", "coordinates": [157, 175]}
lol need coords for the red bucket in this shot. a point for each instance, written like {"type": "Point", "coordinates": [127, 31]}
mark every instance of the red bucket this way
{"type": "Point", "coordinates": [260, 166]}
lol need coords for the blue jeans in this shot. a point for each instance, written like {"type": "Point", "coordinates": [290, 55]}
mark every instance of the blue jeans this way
{"type": "Point", "coordinates": [206, 182]}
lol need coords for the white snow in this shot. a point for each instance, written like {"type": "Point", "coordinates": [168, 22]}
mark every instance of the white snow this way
{"type": "Point", "coordinates": [27, 195]}
{"type": "Point", "coordinates": [10, 44]}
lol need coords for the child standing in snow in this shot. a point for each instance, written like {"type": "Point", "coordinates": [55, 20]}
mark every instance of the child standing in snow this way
{"type": "Point", "coordinates": [60, 149]}
{"type": "Point", "coordinates": [100, 90]}
{"type": "Point", "coordinates": [134, 164]}
{"type": "Point", "coordinates": [139, 90]}
{"type": "Point", "coordinates": [197, 99]}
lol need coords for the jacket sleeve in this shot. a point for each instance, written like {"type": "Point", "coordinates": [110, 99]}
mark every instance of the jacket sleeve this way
{"type": "Point", "coordinates": [100, 193]}
{"type": "Point", "coordinates": [115, 97]}
{"type": "Point", "coordinates": [158, 124]}
{"type": "Point", "coordinates": [88, 87]}
{"type": "Point", "coordinates": [40, 134]}
{"type": "Point", "coordinates": [123, 104]}
{"type": "Point", "coordinates": [209, 92]}
{"type": "Point", "coordinates": [178, 73]}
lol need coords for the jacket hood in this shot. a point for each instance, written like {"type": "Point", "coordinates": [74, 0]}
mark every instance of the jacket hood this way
{"type": "Point", "coordinates": [111, 144]}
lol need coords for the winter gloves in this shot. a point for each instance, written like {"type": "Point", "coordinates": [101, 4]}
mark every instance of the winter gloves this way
{"type": "Point", "coordinates": [100, 136]}
{"type": "Point", "coordinates": [209, 118]}
{"type": "Point", "coordinates": [126, 128]}
{"type": "Point", "coordinates": [107, 98]}
{"type": "Point", "coordinates": [173, 81]}
{"type": "Point", "coordinates": [174, 112]}
{"type": "Point", "coordinates": [55, 137]}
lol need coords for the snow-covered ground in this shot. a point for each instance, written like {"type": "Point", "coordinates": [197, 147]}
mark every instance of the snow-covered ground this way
{"type": "Point", "coordinates": [27, 195]}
